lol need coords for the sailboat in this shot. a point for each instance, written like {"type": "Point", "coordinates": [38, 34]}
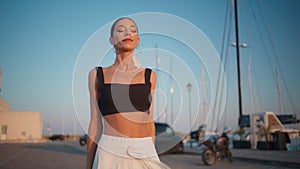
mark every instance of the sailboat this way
{"type": "Point", "coordinates": [253, 121]}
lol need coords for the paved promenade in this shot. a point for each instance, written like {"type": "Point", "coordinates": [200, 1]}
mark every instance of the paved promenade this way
{"type": "Point", "coordinates": [70, 155]}
{"type": "Point", "coordinates": [272, 157]}
{"type": "Point", "coordinates": [283, 158]}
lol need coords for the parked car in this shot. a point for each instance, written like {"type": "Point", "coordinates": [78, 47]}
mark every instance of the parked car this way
{"type": "Point", "coordinates": [57, 137]}
{"type": "Point", "coordinates": [83, 139]}
{"type": "Point", "coordinates": [166, 140]}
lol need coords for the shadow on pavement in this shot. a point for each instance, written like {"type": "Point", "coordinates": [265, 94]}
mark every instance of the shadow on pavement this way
{"type": "Point", "coordinates": [56, 147]}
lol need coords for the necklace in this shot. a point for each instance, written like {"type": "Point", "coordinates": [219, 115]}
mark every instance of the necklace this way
{"type": "Point", "coordinates": [126, 69]}
{"type": "Point", "coordinates": [121, 70]}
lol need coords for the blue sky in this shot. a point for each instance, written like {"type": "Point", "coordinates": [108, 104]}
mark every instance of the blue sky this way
{"type": "Point", "coordinates": [41, 41]}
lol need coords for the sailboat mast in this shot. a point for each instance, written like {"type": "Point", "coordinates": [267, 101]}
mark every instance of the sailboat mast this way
{"type": "Point", "coordinates": [157, 64]}
{"type": "Point", "coordinates": [0, 80]}
{"type": "Point", "coordinates": [238, 60]}
{"type": "Point", "coordinates": [204, 95]}
{"type": "Point", "coordinates": [278, 89]}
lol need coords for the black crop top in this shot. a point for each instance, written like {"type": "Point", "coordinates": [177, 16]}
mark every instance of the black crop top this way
{"type": "Point", "coordinates": [116, 98]}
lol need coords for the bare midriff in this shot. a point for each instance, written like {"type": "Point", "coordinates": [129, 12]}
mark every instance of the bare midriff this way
{"type": "Point", "coordinates": [129, 124]}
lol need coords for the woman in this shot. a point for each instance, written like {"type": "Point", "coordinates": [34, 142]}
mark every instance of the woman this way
{"type": "Point", "coordinates": [121, 98]}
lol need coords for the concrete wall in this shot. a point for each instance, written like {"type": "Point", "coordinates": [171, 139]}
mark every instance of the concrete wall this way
{"type": "Point", "coordinates": [21, 125]}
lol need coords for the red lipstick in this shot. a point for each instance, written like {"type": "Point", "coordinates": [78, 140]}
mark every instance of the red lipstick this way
{"type": "Point", "coordinates": [127, 40]}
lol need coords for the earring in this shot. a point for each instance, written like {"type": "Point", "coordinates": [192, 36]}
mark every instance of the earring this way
{"type": "Point", "coordinates": [114, 50]}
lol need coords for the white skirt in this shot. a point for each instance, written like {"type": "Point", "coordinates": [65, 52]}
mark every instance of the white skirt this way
{"type": "Point", "coordinates": [128, 153]}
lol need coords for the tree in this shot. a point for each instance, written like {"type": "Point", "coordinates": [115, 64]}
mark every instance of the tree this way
{"type": "Point", "coordinates": [241, 133]}
{"type": "Point", "coordinates": [242, 142]}
{"type": "Point", "coordinates": [264, 132]}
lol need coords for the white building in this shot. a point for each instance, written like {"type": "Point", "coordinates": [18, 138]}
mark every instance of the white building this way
{"type": "Point", "coordinates": [19, 126]}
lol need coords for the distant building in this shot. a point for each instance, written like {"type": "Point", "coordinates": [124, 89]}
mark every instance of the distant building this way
{"type": "Point", "coordinates": [4, 107]}
{"type": "Point", "coordinates": [19, 126]}
{"type": "Point", "coordinates": [271, 124]}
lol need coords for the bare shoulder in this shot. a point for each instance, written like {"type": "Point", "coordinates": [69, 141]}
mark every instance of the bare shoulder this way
{"type": "Point", "coordinates": [92, 76]}
{"type": "Point", "coordinates": [153, 74]}
{"type": "Point", "coordinates": [93, 72]}
{"type": "Point", "coordinates": [153, 77]}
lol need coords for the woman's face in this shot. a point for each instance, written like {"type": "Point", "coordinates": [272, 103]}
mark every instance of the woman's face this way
{"type": "Point", "coordinates": [125, 35]}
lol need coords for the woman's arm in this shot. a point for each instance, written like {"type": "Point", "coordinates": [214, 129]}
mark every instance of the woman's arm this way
{"type": "Point", "coordinates": [151, 125]}
{"type": "Point", "coordinates": [95, 127]}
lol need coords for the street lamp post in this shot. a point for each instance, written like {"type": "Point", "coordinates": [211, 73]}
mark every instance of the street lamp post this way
{"type": "Point", "coordinates": [171, 113]}
{"type": "Point", "coordinates": [243, 45]}
{"type": "Point", "coordinates": [238, 60]}
{"type": "Point", "coordinates": [189, 88]}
